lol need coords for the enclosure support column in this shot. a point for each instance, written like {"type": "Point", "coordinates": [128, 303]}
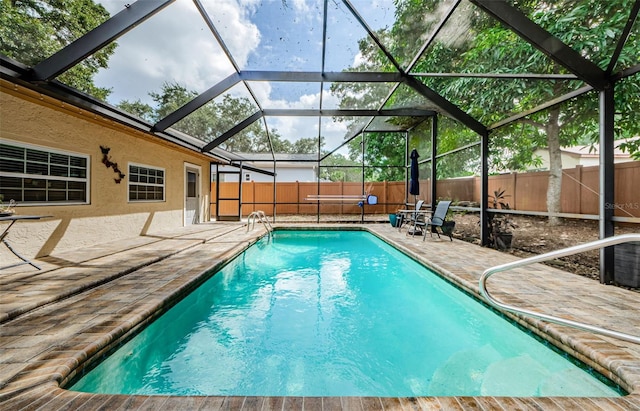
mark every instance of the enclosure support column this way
{"type": "Point", "coordinates": [241, 177]}
{"type": "Point", "coordinates": [607, 180]}
{"type": "Point", "coordinates": [484, 188]}
{"type": "Point", "coordinates": [406, 169]}
{"type": "Point", "coordinates": [217, 208]}
{"type": "Point", "coordinates": [363, 174]}
{"type": "Point", "coordinates": [434, 149]}
{"type": "Point", "coordinates": [275, 191]}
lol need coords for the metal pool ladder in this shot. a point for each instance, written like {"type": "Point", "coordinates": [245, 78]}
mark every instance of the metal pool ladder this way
{"type": "Point", "coordinates": [594, 245]}
{"type": "Point", "coordinates": [260, 216]}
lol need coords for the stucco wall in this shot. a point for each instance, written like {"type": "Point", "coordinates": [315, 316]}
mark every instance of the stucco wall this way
{"type": "Point", "coordinates": [31, 118]}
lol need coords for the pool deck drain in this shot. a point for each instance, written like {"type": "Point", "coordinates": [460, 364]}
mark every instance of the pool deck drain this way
{"type": "Point", "coordinates": [84, 300]}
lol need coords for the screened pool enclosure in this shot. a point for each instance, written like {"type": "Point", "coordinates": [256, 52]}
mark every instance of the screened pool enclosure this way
{"type": "Point", "coordinates": [292, 100]}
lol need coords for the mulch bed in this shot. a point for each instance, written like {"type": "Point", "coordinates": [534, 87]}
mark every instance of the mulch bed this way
{"type": "Point", "coordinates": [533, 236]}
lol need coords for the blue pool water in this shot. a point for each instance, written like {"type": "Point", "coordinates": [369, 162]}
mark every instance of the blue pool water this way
{"type": "Point", "coordinates": [327, 313]}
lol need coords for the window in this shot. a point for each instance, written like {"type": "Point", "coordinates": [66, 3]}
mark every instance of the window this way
{"type": "Point", "coordinates": [146, 183]}
{"type": "Point", "coordinates": [192, 190]}
{"type": "Point", "coordinates": [38, 175]}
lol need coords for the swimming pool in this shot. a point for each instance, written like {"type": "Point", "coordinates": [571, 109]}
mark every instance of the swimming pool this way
{"type": "Point", "coordinates": [331, 314]}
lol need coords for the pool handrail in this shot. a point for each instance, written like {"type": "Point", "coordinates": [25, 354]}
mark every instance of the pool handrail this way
{"type": "Point", "coordinates": [262, 217]}
{"type": "Point", "coordinates": [549, 256]}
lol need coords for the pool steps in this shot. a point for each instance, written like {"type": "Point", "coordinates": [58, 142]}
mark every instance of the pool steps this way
{"type": "Point", "coordinates": [261, 217]}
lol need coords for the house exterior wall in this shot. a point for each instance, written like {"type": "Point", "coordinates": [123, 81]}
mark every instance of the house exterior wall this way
{"type": "Point", "coordinates": [572, 159]}
{"type": "Point", "coordinates": [31, 118]}
{"type": "Point", "coordinates": [569, 160]}
{"type": "Point", "coordinates": [304, 173]}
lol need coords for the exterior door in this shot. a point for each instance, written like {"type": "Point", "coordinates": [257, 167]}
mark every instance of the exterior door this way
{"type": "Point", "coordinates": [228, 195]}
{"type": "Point", "coordinates": [192, 196]}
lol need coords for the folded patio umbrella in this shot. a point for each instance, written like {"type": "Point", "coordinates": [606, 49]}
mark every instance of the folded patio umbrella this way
{"type": "Point", "coordinates": [414, 183]}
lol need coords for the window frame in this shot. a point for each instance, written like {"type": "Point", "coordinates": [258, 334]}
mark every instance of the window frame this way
{"type": "Point", "coordinates": [146, 184]}
{"type": "Point", "coordinates": [49, 177]}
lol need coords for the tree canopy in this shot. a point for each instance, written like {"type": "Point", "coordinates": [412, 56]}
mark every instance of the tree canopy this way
{"type": "Point", "coordinates": [215, 118]}
{"type": "Point", "coordinates": [473, 42]}
{"type": "Point", "coordinates": [32, 30]}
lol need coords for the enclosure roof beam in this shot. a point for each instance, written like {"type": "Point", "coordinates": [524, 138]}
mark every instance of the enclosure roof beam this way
{"type": "Point", "coordinates": [197, 102]}
{"type": "Point", "coordinates": [243, 166]}
{"type": "Point", "coordinates": [207, 19]}
{"type": "Point", "coordinates": [544, 41]}
{"type": "Point", "coordinates": [402, 112]}
{"type": "Point", "coordinates": [446, 105]}
{"type": "Point", "coordinates": [433, 36]}
{"type": "Point", "coordinates": [233, 131]}
{"type": "Point", "coordinates": [372, 35]}
{"type": "Point", "coordinates": [456, 150]}
{"type": "Point", "coordinates": [377, 131]}
{"type": "Point", "coordinates": [628, 72]}
{"type": "Point", "coordinates": [541, 107]}
{"type": "Point", "coordinates": [96, 39]}
{"type": "Point", "coordinates": [528, 76]}
{"type": "Point", "coordinates": [347, 140]}
{"type": "Point", "coordinates": [317, 76]}
{"type": "Point", "coordinates": [420, 52]}
{"type": "Point", "coordinates": [324, 36]}
{"type": "Point", "coordinates": [624, 36]}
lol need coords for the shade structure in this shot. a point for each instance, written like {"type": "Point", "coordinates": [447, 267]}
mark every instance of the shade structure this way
{"type": "Point", "coordinates": [414, 183]}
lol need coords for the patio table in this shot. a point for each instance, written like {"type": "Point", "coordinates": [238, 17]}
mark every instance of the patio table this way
{"type": "Point", "coordinates": [13, 219]}
{"type": "Point", "coordinates": [403, 216]}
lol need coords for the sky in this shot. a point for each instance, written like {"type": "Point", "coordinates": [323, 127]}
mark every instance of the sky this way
{"type": "Point", "coordinates": [176, 46]}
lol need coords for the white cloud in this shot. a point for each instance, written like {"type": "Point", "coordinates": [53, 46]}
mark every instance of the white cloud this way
{"type": "Point", "coordinates": [232, 20]}
{"type": "Point", "coordinates": [301, 6]}
{"type": "Point", "coordinates": [310, 100]}
{"type": "Point", "coordinates": [295, 128]}
{"type": "Point", "coordinates": [174, 45]}
{"type": "Point", "coordinates": [262, 91]}
{"type": "Point", "coordinates": [358, 59]}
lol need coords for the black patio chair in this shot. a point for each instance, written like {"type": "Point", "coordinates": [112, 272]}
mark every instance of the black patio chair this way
{"type": "Point", "coordinates": [438, 220]}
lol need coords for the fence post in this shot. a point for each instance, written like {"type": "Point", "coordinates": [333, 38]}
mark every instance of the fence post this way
{"type": "Point", "coordinates": [385, 191]}
{"type": "Point", "coordinates": [252, 190]}
{"type": "Point", "coordinates": [341, 185]}
{"type": "Point", "coordinates": [514, 180]}
{"type": "Point", "coordinates": [298, 196]}
{"type": "Point", "coordinates": [579, 188]}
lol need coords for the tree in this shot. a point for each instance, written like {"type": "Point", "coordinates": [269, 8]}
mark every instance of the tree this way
{"type": "Point", "coordinates": [484, 45]}
{"type": "Point", "coordinates": [337, 167]}
{"type": "Point", "coordinates": [215, 118]}
{"type": "Point", "coordinates": [138, 108]}
{"type": "Point", "coordinates": [307, 145]}
{"type": "Point", "coordinates": [590, 28]}
{"type": "Point", "coordinates": [32, 30]}
{"type": "Point", "coordinates": [384, 156]}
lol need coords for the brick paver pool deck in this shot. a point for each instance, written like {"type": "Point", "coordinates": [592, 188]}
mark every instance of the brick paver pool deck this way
{"type": "Point", "coordinates": [83, 301]}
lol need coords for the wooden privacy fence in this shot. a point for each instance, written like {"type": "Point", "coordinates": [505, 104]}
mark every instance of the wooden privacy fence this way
{"type": "Point", "coordinates": [291, 197]}
{"type": "Point", "coordinates": [525, 192]}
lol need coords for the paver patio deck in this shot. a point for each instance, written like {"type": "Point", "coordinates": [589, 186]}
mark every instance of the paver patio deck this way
{"type": "Point", "coordinates": [83, 301]}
